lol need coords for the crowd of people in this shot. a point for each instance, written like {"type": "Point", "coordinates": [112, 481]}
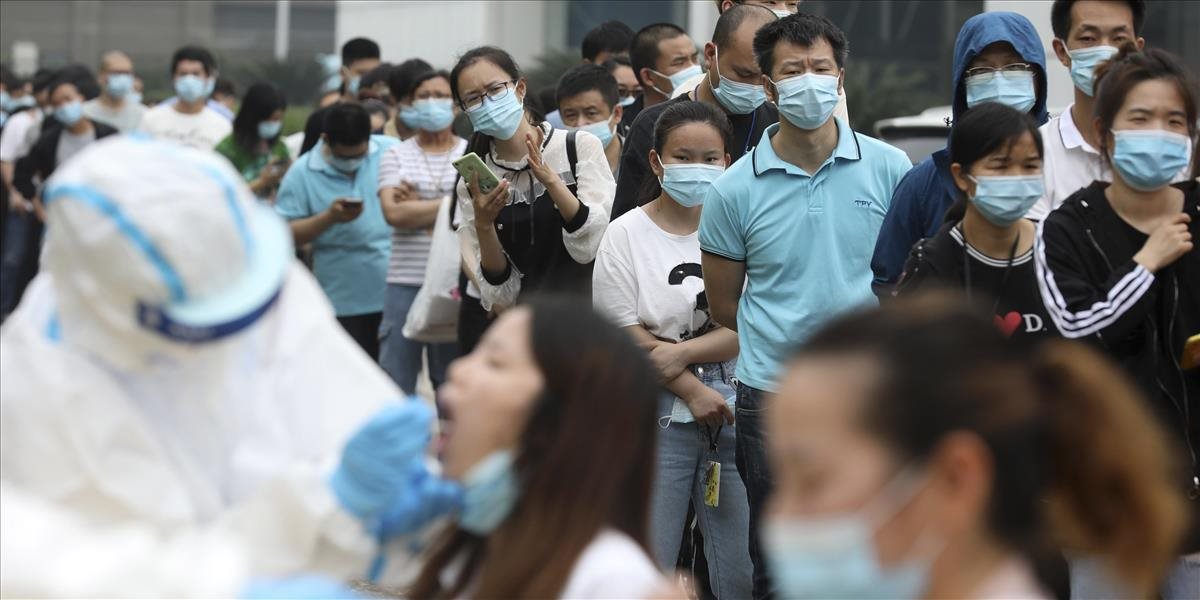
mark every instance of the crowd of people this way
{"type": "Point", "coordinates": [687, 333]}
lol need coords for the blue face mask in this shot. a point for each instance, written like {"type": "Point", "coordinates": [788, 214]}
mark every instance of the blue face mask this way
{"type": "Point", "coordinates": [835, 557]}
{"type": "Point", "coordinates": [808, 100]}
{"type": "Point", "coordinates": [268, 130]}
{"type": "Point", "coordinates": [1003, 199]}
{"type": "Point", "coordinates": [678, 79]}
{"type": "Point", "coordinates": [1014, 89]}
{"type": "Point", "coordinates": [1148, 159]}
{"type": "Point", "coordinates": [210, 84]}
{"type": "Point", "coordinates": [352, 85]}
{"type": "Point", "coordinates": [5, 102]}
{"type": "Point", "coordinates": [498, 118]}
{"type": "Point", "coordinates": [627, 100]}
{"type": "Point", "coordinates": [433, 114]}
{"type": "Point", "coordinates": [345, 165]}
{"type": "Point", "coordinates": [69, 114]}
{"type": "Point", "coordinates": [490, 493]}
{"type": "Point", "coordinates": [25, 101]}
{"type": "Point", "coordinates": [409, 116]}
{"type": "Point", "coordinates": [1083, 66]}
{"type": "Point", "coordinates": [738, 98]}
{"type": "Point", "coordinates": [119, 85]}
{"type": "Point", "coordinates": [688, 183]}
{"type": "Point", "coordinates": [190, 88]}
{"type": "Point", "coordinates": [135, 98]}
{"type": "Point", "coordinates": [600, 129]}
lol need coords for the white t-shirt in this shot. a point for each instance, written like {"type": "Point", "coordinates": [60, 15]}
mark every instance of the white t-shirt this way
{"type": "Point", "coordinates": [646, 276]}
{"type": "Point", "coordinates": [612, 565]}
{"type": "Point", "coordinates": [124, 119]}
{"type": "Point", "coordinates": [433, 176]}
{"type": "Point", "coordinates": [16, 140]}
{"type": "Point", "coordinates": [1069, 164]}
{"type": "Point", "coordinates": [200, 130]}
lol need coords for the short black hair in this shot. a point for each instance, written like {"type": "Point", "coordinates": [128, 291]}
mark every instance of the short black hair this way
{"type": "Point", "coordinates": [358, 49]}
{"type": "Point", "coordinates": [42, 79]}
{"type": "Point", "coordinates": [224, 86]}
{"type": "Point", "coordinates": [347, 124]}
{"type": "Point", "coordinates": [1060, 16]}
{"type": "Point", "coordinates": [613, 37]}
{"type": "Point", "coordinates": [79, 76]}
{"type": "Point", "coordinates": [587, 77]}
{"type": "Point", "coordinates": [376, 76]}
{"type": "Point", "coordinates": [613, 63]}
{"type": "Point", "coordinates": [196, 53]}
{"type": "Point", "coordinates": [803, 29]}
{"type": "Point", "coordinates": [731, 20]}
{"type": "Point", "coordinates": [643, 52]}
{"type": "Point", "coordinates": [400, 79]}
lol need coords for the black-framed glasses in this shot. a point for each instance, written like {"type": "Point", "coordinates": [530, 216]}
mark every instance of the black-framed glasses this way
{"type": "Point", "coordinates": [494, 92]}
{"type": "Point", "coordinates": [1010, 68]}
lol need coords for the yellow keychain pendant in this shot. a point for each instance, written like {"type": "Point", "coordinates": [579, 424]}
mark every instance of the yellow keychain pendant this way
{"type": "Point", "coordinates": [712, 484]}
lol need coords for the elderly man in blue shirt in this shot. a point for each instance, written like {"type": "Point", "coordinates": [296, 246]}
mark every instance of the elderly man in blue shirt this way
{"type": "Point", "coordinates": [330, 198]}
{"type": "Point", "coordinates": [795, 221]}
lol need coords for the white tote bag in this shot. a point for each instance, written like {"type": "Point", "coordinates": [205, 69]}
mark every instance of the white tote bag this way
{"type": "Point", "coordinates": [433, 317]}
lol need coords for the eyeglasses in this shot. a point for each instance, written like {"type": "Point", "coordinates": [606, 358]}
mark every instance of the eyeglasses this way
{"type": "Point", "coordinates": [1012, 68]}
{"type": "Point", "coordinates": [494, 92]}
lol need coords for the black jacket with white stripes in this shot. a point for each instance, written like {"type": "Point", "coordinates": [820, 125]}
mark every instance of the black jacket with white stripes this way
{"type": "Point", "coordinates": [1093, 289]}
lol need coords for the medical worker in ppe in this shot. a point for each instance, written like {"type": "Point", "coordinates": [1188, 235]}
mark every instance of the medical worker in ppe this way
{"type": "Point", "coordinates": [175, 379]}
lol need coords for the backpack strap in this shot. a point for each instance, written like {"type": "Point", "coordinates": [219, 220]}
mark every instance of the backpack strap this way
{"type": "Point", "coordinates": [454, 201]}
{"type": "Point", "coordinates": [573, 160]}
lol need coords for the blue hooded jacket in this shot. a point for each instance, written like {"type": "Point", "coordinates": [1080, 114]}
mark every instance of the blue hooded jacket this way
{"type": "Point", "coordinates": [927, 191]}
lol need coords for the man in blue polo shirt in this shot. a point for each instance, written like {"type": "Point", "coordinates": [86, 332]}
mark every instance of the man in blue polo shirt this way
{"type": "Point", "coordinates": [330, 198]}
{"type": "Point", "coordinates": [795, 221]}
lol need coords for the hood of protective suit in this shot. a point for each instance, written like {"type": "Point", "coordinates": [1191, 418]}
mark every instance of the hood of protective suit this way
{"type": "Point", "coordinates": [157, 251]}
{"type": "Point", "coordinates": [987, 28]}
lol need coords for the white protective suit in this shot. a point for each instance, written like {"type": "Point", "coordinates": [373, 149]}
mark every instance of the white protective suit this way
{"type": "Point", "coordinates": [174, 383]}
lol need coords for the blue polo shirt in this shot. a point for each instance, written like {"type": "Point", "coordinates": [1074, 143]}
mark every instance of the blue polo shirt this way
{"type": "Point", "coordinates": [349, 259]}
{"type": "Point", "coordinates": [806, 240]}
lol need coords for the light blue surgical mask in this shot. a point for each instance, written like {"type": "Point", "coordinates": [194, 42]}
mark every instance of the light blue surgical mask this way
{"type": "Point", "coordinates": [498, 118]}
{"type": "Point", "coordinates": [190, 88]}
{"type": "Point", "coordinates": [119, 85]}
{"type": "Point", "coordinates": [678, 79]}
{"type": "Point", "coordinates": [5, 101]}
{"type": "Point", "coordinates": [835, 557]}
{"type": "Point", "coordinates": [352, 85]}
{"type": "Point", "coordinates": [1148, 159]}
{"type": "Point", "coordinates": [1004, 199]}
{"type": "Point", "coordinates": [1011, 88]}
{"type": "Point", "coordinates": [1083, 66]}
{"type": "Point", "coordinates": [268, 130]}
{"type": "Point", "coordinates": [23, 102]}
{"type": "Point", "coordinates": [135, 98]}
{"type": "Point", "coordinates": [433, 114]}
{"type": "Point", "coordinates": [627, 100]}
{"type": "Point", "coordinates": [688, 183]}
{"type": "Point", "coordinates": [69, 114]}
{"type": "Point", "coordinates": [490, 493]}
{"type": "Point", "coordinates": [807, 100]}
{"type": "Point", "coordinates": [737, 98]}
{"type": "Point", "coordinates": [680, 413]}
{"type": "Point", "coordinates": [600, 129]}
{"type": "Point", "coordinates": [345, 165]}
{"type": "Point", "coordinates": [409, 116]}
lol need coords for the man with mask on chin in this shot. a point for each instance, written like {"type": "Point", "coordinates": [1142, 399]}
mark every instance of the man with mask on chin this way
{"type": "Point", "coordinates": [793, 224]}
{"type": "Point", "coordinates": [663, 57]}
{"type": "Point", "coordinates": [733, 84]}
{"type": "Point", "coordinates": [189, 120]}
{"type": "Point", "coordinates": [998, 57]}
{"type": "Point", "coordinates": [330, 198]}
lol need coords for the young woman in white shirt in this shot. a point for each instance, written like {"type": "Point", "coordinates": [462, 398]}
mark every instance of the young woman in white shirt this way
{"type": "Point", "coordinates": [552, 437]}
{"type": "Point", "coordinates": [414, 177]}
{"type": "Point", "coordinates": [647, 279]}
{"type": "Point", "coordinates": [539, 229]}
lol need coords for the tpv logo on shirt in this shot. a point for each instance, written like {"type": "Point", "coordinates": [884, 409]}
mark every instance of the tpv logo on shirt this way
{"type": "Point", "coordinates": [861, 203]}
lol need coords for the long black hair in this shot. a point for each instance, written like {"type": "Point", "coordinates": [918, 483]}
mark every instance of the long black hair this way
{"type": "Point", "coordinates": [261, 101]}
{"type": "Point", "coordinates": [675, 116]}
{"type": "Point", "coordinates": [481, 144]}
{"type": "Point", "coordinates": [980, 132]}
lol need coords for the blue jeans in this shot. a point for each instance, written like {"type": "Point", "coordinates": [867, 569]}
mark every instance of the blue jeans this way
{"type": "Point", "coordinates": [752, 465]}
{"type": "Point", "coordinates": [683, 457]}
{"type": "Point", "coordinates": [18, 258]}
{"type": "Point", "coordinates": [399, 356]}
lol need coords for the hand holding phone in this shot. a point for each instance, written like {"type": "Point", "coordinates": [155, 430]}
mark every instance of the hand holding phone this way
{"type": "Point", "coordinates": [346, 209]}
{"type": "Point", "coordinates": [470, 165]}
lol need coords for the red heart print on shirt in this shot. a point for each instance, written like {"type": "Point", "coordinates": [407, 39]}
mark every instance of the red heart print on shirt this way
{"type": "Point", "coordinates": [1009, 323]}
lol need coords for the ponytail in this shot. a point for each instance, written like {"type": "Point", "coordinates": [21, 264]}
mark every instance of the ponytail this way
{"type": "Point", "coordinates": [1110, 490]}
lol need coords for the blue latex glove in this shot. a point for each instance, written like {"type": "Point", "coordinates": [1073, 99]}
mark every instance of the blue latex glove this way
{"type": "Point", "coordinates": [303, 586]}
{"type": "Point", "coordinates": [379, 457]}
{"type": "Point", "coordinates": [422, 498]}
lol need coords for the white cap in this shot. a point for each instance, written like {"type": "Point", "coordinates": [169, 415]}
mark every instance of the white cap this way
{"type": "Point", "coordinates": [148, 237]}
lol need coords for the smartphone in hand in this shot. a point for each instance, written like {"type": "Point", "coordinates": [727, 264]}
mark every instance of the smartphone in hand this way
{"type": "Point", "coordinates": [469, 165]}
